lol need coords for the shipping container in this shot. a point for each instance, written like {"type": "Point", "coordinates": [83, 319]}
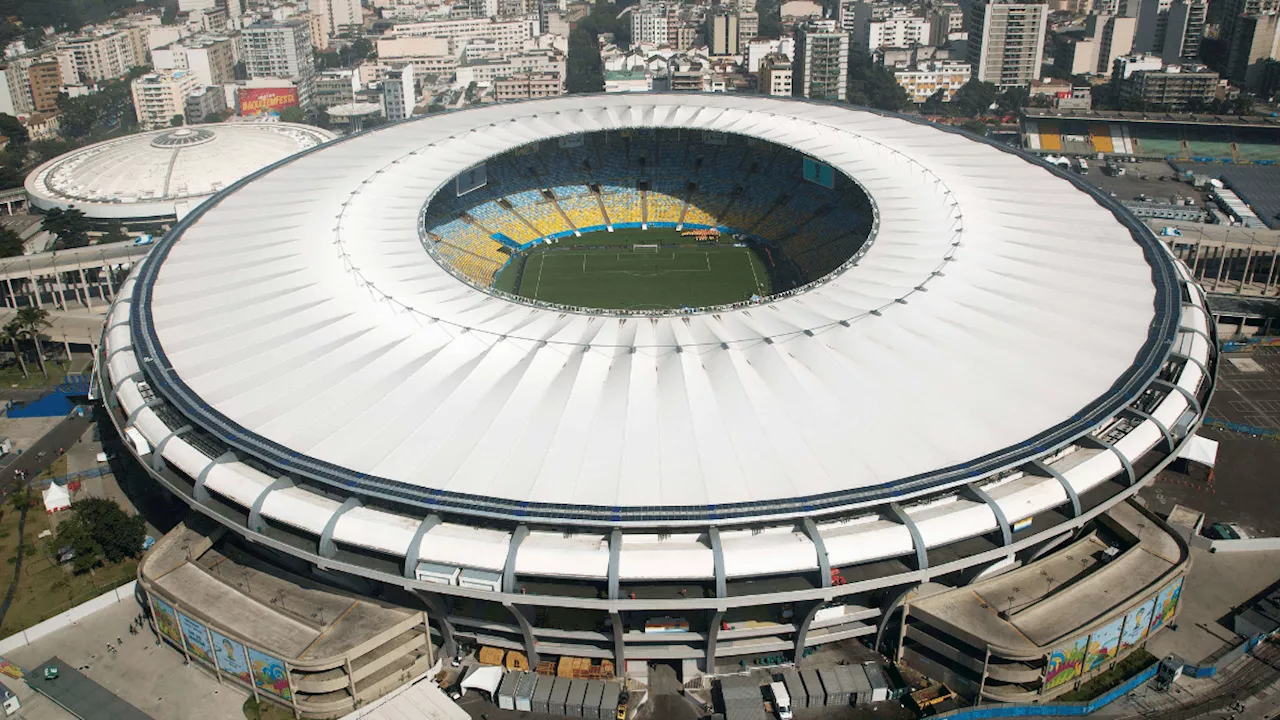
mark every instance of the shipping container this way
{"type": "Point", "coordinates": [813, 688]}
{"type": "Point", "coordinates": [879, 683]}
{"type": "Point", "coordinates": [524, 691]}
{"type": "Point", "coordinates": [559, 693]}
{"type": "Point", "coordinates": [836, 695]}
{"type": "Point", "coordinates": [542, 694]}
{"type": "Point", "coordinates": [507, 690]}
{"type": "Point", "coordinates": [860, 692]}
{"type": "Point", "coordinates": [609, 701]}
{"type": "Point", "coordinates": [795, 688]}
{"type": "Point", "coordinates": [591, 703]}
{"type": "Point", "coordinates": [577, 694]}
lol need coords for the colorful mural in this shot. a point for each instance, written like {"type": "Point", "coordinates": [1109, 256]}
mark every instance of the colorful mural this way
{"type": "Point", "coordinates": [269, 674]}
{"type": "Point", "coordinates": [1103, 644]}
{"type": "Point", "coordinates": [1065, 663]}
{"type": "Point", "coordinates": [167, 621]}
{"type": "Point", "coordinates": [1135, 625]}
{"type": "Point", "coordinates": [197, 639]}
{"type": "Point", "coordinates": [230, 656]}
{"type": "Point", "coordinates": [10, 669]}
{"type": "Point", "coordinates": [1166, 605]}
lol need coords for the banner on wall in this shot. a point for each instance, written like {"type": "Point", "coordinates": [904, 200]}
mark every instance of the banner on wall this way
{"type": "Point", "coordinates": [1166, 605]}
{"type": "Point", "coordinates": [10, 669]}
{"type": "Point", "coordinates": [167, 621]}
{"type": "Point", "coordinates": [1135, 625]}
{"type": "Point", "coordinates": [1104, 643]}
{"type": "Point", "coordinates": [257, 101]}
{"type": "Point", "coordinates": [1066, 663]}
{"type": "Point", "coordinates": [197, 638]}
{"type": "Point", "coordinates": [231, 657]}
{"type": "Point", "coordinates": [269, 674]}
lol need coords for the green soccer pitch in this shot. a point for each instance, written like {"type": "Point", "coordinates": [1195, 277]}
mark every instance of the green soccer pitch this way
{"type": "Point", "coordinates": [616, 275]}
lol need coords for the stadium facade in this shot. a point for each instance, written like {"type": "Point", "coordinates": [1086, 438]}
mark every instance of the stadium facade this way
{"type": "Point", "coordinates": [158, 177]}
{"type": "Point", "coordinates": [1003, 359]}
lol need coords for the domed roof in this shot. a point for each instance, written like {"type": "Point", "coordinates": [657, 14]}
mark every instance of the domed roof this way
{"type": "Point", "coordinates": [166, 172]}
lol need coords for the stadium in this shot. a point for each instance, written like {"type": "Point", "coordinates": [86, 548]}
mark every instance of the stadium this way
{"type": "Point", "coordinates": [154, 178]}
{"type": "Point", "coordinates": [691, 379]}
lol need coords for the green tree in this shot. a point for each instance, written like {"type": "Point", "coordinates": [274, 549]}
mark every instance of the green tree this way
{"type": "Point", "coordinates": [873, 85]}
{"type": "Point", "coordinates": [935, 104]}
{"type": "Point", "coordinates": [770, 12]}
{"type": "Point", "coordinates": [12, 332]}
{"type": "Point", "coordinates": [974, 99]}
{"type": "Point", "coordinates": [294, 115]}
{"type": "Point", "coordinates": [1013, 99]}
{"type": "Point", "coordinates": [177, 121]}
{"type": "Point", "coordinates": [584, 70]}
{"type": "Point", "coordinates": [104, 529]}
{"type": "Point", "coordinates": [12, 128]}
{"type": "Point", "coordinates": [362, 49]}
{"type": "Point", "coordinates": [33, 321]}
{"type": "Point", "coordinates": [10, 243]}
{"type": "Point", "coordinates": [70, 226]}
{"type": "Point", "coordinates": [110, 108]}
{"type": "Point", "coordinates": [115, 234]}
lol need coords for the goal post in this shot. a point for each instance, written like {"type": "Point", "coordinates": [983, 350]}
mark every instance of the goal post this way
{"type": "Point", "coordinates": [645, 248]}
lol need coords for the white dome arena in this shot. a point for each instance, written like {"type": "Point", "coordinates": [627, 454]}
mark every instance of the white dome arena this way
{"type": "Point", "coordinates": [307, 360]}
{"type": "Point", "coordinates": [164, 174]}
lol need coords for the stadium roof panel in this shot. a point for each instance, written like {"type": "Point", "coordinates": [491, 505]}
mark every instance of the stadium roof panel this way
{"type": "Point", "coordinates": [301, 319]}
{"type": "Point", "coordinates": [165, 173]}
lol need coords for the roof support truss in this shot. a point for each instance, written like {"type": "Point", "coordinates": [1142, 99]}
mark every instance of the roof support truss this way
{"type": "Point", "coordinates": [509, 569]}
{"type": "Point", "coordinates": [1042, 469]}
{"type": "Point", "coordinates": [411, 555]}
{"type": "Point", "coordinates": [256, 523]}
{"type": "Point", "coordinates": [327, 548]}
{"type": "Point", "coordinates": [917, 540]}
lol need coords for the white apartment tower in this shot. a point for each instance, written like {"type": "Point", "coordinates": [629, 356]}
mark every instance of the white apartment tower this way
{"type": "Point", "coordinates": [281, 50]}
{"type": "Point", "coordinates": [337, 15]}
{"type": "Point", "coordinates": [398, 93]}
{"type": "Point", "coordinates": [158, 97]}
{"type": "Point", "coordinates": [821, 67]}
{"type": "Point", "coordinates": [649, 25]}
{"type": "Point", "coordinates": [1006, 41]}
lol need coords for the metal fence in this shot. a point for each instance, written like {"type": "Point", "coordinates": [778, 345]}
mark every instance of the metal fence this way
{"type": "Point", "coordinates": [1060, 709]}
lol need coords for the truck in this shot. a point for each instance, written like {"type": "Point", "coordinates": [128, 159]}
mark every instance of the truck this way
{"type": "Point", "coordinates": [1168, 672]}
{"type": "Point", "coordinates": [781, 700]}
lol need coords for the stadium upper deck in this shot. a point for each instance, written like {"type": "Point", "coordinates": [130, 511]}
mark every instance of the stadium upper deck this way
{"type": "Point", "coordinates": [1012, 356]}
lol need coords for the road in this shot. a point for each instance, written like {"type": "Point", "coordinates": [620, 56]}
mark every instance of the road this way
{"type": "Point", "coordinates": [63, 435]}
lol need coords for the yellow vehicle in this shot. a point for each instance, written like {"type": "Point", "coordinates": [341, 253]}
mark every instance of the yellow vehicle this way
{"type": "Point", "coordinates": [622, 711]}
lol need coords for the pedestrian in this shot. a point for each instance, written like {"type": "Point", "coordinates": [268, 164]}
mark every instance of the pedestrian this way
{"type": "Point", "coordinates": [119, 641]}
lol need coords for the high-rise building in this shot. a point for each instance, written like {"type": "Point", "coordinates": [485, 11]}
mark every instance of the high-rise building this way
{"type": "Point", "coordinates": [724, 35]}
{"type": "Point", "coordinates": [105, 56]}
{"type": "Point", "coordinates": [748, 27]}
{"type": "Point", "coordinates": [15, 97]}
{"type": "Point", "coordinates": [821, 67]}
{"type": "Point", "coordinates": [1254, 39]}
{"type": "Point", "coordinates": [46, 82]}
{"type": "Point", "coordinates": [158, 97]}
{"type": "Point", "coordinates": [649, 25]}
{"type": "Point", "coordinates": [281, 50]}
{"type": "Point", "coordinates": [1106, 38]}
{"type": "Point", "coordinates": [775, 77]}
{"type": "Point", "coordinates": [336, 16]}
{"type": "Point", "coordinates": [1232, 10]}
{"type": "Point", "coordinates": [1153, 24]}
{"type": "Point", "coordinates": [398, 94]}
{"type": "Point", "coordinates": [1006, 41]}
{"type": "Point", "coordinates": [205, 103]}
{"type": "Point", "coordinates": [523, 86]}
{"type": "Point", "coordinates": [211, 59]}
{"type": "Point", "coordinates": [875, 26]}
{"type": "Point", "coordinates": [924, 79]}
{"type": "Point", "coordinates": [1174, 88]}
{"type": "Point", "coordinates": [1185, 30]}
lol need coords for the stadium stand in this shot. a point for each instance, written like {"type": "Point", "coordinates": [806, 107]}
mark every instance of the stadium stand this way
{"type": "Point", "coordinates": [1100, 137]}
{"type": "Point", "coordinates": [1050, 137]}
{"type": "Point", "coordinates": [546, 191]}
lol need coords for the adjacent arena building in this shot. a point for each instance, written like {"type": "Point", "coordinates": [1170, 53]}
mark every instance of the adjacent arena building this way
{"type": "Point", "coordinates": [959, 363]}
{"type": "Point", "coordinates": [158, 177]}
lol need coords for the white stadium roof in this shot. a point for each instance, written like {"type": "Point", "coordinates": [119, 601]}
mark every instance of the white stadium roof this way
{"type": "Point", "coordinates": [1001, 311]}
{"type": "Point", "coordinates": [164, 173]}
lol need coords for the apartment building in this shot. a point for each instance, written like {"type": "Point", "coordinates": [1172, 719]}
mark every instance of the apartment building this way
{"type": "Point", "coordinates": [45, 79]}
{"type": "Point", "coordinates": [1006, 41]}
{"type": "Point", "coordinates": [205, 104]}
{"type": "Point", "coordinates": [875, 27]}
{"type": "Point", "coordinates": [651, 25]}
{"type": "Point", "coordinates": [1106, 38]}
{"type": "Point", "coordinates": [212, 59]}
{"type": "Point", "coordinates": [158, 97]}
{"type": "Point", "coordinates": [724, 35]}
{"type": "Point", "coordinates": [93, 58]}
{"type": "Point", "coordinates": [1175, 88]}
{"type": "Point", "coordinates": [821, 66]}
{"type": "Point", "coordinates": [924, 79]}
{"type": "Point", "coordinates": [775, 76]}
{"type": "Point", "coordinates": [523, 86]}
{"type": "Point", "coordinates": [508, 35]}
{"type": "Point", "coordinates": [281, 50]}
{"type": "Point", "coordinates": [399, 93]}
{"type": "Point", "coordinates": [337, 16]}
{"type": "Point", "coordinates": [490, 69]}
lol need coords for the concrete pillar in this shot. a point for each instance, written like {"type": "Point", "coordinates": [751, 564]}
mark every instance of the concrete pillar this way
{"type": "Point", "coordinates": [67, 346]}
{"type": "Point", "coordinates": [106, 276]}
{"type": "Point", "coordinates": [1195, 266]}
{"type": "Point", "coordinates": [1244, 276]}
{"type": "Point", "coordinates": [13, 299]}
{"type": "Point", "coordinates": [84, 283]}
{"type": "Point", "coordinates": [1271, 272]}
{"type": "Point", "coordinates": [35, 285]}
{"type": "Point", "coordinates": [713, 634]}
{"type": "Point", "coordinates": [1222, 252]}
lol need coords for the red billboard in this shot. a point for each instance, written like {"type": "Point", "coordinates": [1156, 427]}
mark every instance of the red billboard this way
{"type": "Point", "coordinates": [255, 101]}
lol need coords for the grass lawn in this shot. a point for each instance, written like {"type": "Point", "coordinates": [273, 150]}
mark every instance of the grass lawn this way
{"type": "Point", "coordinates": [44, 588]}
{"type": "Point", "coordinates": [264, 710]}
{"type": "Point", "coordinates": [11, 374]}
{"type": "Point", "coordinates": [579, 271]}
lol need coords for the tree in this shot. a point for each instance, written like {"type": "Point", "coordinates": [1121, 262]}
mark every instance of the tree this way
{"type": "Point", "coordinates": [974, 99]}
{"type": "Point", "coordinates": [12, 128]}
{"type": "Point", "coordinates": [115, 234]}
{"type": "Point", "coordinates": [99, 530]}
{"type": "Point", "coordinates": [170, 14]}
{"type": "Point", "coordinates": [935, 104]}
{"type": "Point", "coordinates": [1012, 100]}
{"type": "Point", "coordinates": [362, 49]}
{"type": "Point", "coordinates": [770, 18]}
{"type": "Point", "coordinates": [108, 109]}
{"type": "Point", "coordinates": [177, 121]}
{"type": "Point", "coordinates": [873, 85]}
{"type": "Point", "coordinates": [12, 332]}
{"type": "Point", "coordinates": [294, 115]}
{"type": "Point", "coordinates": [10, 243]}
{"type": "Point", "coordinates": [70, 225]}
{"type": "Point", "coordinates": [584, 71]}
{"type": "Point", "coordinates": [33, 321]}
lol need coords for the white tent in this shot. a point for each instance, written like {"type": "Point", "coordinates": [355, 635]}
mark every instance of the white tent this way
{"type": "Point", "coordinates": [1200, 450]}
{"type": "Point", "coordinates": [484, 678]}
{"type": "Point", "coordinates": [56, 497]}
